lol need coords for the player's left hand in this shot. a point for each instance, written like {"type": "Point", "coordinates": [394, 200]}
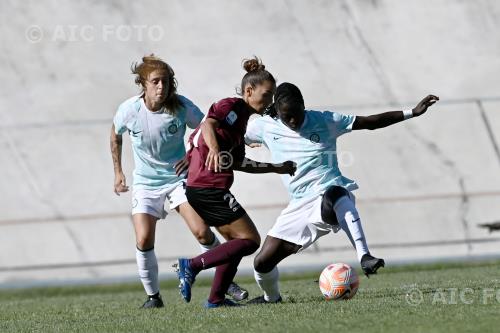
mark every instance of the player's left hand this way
{"type": "Point", "coordinates": [288, 167]}
{"type": "Point", "coordinates": [181, 166]}
{"type": "Point", "coordinates": [422, 106]}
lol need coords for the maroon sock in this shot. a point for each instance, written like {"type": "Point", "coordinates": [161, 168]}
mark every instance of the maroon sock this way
{"type": "Point", "coordinates": [223, 254]}
{"type": "Point", "coordinates": [224, 275]}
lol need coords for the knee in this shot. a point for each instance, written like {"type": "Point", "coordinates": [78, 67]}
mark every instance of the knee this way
{"type": "Point", "coordinates": [255, 246]}
{"type": "Point", "coordinates": [145, 242]}
{"type": "Point", "coordinates": [330, 197]}
{"type": "Point", "coordinates": [204, 236]}
{"type": "Point", "coordinates": [256, 240]}
{"type": "Point", "coordinates": [334, 193]}
{"type": "Point", "coordinates": [249, 246]}
{"type": "Point", "coordinates": [253, 237]}
{"type": "Point", "coordinates": [261, 265]}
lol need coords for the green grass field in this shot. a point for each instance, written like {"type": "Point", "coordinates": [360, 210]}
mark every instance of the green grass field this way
{"type": "Point", "coordinates": [424, 298]}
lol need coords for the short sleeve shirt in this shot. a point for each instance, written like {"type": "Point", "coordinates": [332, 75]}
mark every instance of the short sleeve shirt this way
{"type": "Point", "coordinates": [313, 147]}
{"type": "Point", "coordinates": [157, 139]}
{"type": "Point", "coordinates": [232, 115]}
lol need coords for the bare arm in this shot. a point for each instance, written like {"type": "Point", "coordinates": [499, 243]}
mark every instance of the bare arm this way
{"type": "Point", "coordinates": [250, 166]}
{"type": "Point", "coordinates": [208, 131]}
{"type": "Point", "coordinates": [392, 117]}
{"type": "Point", "coordinates": [116, 140]}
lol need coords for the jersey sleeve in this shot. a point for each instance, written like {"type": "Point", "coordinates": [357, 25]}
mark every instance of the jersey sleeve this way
{"type": "Point", "coordinates": [255, 132]}
{"type": "Point", "coordinates": [223, 111]}
{"type": "Point", "coordinates": [123, 118]}
{"type": "Point", "coordinates": [193, 113]}
{"type": "Point", "coordinates": [339, 123]}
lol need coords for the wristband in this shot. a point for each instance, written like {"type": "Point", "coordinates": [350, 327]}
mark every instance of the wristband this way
{"type": "Point", "coordinates": [407, 114]}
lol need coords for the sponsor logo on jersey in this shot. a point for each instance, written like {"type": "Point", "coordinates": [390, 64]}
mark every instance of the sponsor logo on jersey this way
{"type": "Point", "coordinates": [172, 129]}
{"type": "Point", "coordinates": [231, 117]}
{"type": "Point", "coordinates": [314, 138]}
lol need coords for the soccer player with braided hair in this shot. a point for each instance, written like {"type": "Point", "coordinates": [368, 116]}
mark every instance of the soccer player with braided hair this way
{"type": "Point", "coordinates": [321, 197]}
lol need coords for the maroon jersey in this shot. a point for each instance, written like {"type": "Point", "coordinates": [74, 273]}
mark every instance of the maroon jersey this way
{"type": "Point", "coordinates": [232, 114]}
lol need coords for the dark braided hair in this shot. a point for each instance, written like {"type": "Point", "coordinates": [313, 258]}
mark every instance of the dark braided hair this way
{"type": "Point", "coordinates": [287, 95]}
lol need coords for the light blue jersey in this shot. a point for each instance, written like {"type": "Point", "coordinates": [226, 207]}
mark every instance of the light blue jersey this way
{"type": "Point", "coordinates": [313, 148]}
{"type": "Point", "coordinates": [157, 139]}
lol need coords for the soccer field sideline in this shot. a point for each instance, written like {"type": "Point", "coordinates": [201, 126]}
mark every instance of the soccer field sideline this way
{"type": "Point", "coordinates": [167, 272]}
{"type": "Point", "coordinates": [439, 297]}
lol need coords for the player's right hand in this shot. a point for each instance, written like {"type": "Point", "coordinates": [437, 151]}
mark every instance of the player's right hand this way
{"type": "Point", "coordinates": [213, 160]}
{"type": "Point", "coordinates": [120, 183]}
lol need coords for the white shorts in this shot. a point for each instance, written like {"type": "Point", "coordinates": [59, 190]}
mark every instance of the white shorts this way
{"type": "Point", "coordinates": [300, 222]}
{"type": "Point", "coordinates": [152, 202]}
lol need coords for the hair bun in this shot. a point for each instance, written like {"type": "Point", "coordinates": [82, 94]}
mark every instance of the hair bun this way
{"type": "Point", "coordinates": [150, 59]}
{"type": "Point", "coordinates": [253, 64]}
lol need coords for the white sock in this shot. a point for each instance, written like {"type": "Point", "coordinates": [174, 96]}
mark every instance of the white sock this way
{"type": "Point", "coordinates": [268, 282]}
{"type": "Point", "coordinates": [350, 222]}
{"type": "Point", "coordinates": [148, 270]}
{"type": "Point", "coordinates": [207, 247]}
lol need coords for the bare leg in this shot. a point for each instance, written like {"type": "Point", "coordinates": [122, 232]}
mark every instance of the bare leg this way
{"type": "Point", "coordinates": [200, 230]}
{"type": "Point", "coordinates": [273, 251]}
{"type": "Point", "coordinates": [242, 228]}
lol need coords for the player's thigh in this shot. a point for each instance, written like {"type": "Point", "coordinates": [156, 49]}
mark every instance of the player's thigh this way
{"type": "Point", "coordinates": [242, 228]}
{"type": "Point", "coordinates": [195, 223]}
{"type": "Point", "coordinates": [144, 227]}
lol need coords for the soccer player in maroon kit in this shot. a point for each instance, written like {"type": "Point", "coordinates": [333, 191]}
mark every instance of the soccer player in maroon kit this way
{"type": "Point", "coordinates": [218, 148]}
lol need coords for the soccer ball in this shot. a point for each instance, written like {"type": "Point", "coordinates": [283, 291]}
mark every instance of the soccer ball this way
{"type": "Point", "coordinates": [338, 281]}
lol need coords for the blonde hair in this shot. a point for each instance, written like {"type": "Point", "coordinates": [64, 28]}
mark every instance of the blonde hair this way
{"type": "Point", "coordinates": [149, 64]}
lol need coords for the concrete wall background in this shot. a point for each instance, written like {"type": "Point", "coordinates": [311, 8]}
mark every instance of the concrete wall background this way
{"type": "Point", "coordinates": [424, 185]}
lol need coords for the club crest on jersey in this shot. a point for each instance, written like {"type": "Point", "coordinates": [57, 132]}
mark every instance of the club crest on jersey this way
{"type": "Point", "coordinates": [172, 129]}
{"type": "Point", "coordinates": [231, 117]}
{"type": "Point", "coordinates": [314, 138]}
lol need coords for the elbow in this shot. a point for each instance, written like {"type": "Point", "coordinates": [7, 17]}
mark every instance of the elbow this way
{"type": "Point", "coordinates": [206, 128]}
